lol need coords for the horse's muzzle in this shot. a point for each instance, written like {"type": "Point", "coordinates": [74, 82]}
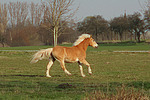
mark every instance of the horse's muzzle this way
{"type": "Point", "coordinates": [96, 46]}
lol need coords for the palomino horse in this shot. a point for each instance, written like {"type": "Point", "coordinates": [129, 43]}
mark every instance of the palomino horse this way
{"type": "Point", "coordinates": [76, 53]}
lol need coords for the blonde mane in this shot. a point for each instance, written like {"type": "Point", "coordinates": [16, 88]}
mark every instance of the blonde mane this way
{"type": "Point", "coordinates": [81, 38]}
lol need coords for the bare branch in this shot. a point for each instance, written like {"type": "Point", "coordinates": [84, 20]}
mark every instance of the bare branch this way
{"type": "Point", "coordinates": [60, 14]}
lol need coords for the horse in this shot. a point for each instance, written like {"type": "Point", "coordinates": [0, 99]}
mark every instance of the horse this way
{"type": "Point", "coordinates": [76, 53]}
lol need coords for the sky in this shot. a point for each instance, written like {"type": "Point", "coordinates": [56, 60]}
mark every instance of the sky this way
{"type": "Point", "coordinates": [108, 9]}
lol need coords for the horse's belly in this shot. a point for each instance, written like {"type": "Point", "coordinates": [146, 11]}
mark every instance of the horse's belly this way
{"type": "Point", "coordinates": [71, 60]}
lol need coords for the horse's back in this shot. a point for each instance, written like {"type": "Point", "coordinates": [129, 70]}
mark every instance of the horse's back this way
{"type": "Point", "coordinates": [61, 50]}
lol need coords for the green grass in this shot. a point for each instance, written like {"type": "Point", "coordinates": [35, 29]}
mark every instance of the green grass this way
{"type": "Point", "coordinates": [126, 47]}
{"type": "Point", "coordinates": [25, 48]}
{"type": "Point", "coordinates": [102, 47]}
{"type": "Point", "coordinates": [20, 80]}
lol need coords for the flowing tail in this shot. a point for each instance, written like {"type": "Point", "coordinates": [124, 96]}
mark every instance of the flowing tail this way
{"type": "Point", "coordinates": [42, 54]}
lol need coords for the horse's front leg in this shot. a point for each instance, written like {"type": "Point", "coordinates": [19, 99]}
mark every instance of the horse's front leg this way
{"type": "Point", "coordinates": [87, 64]}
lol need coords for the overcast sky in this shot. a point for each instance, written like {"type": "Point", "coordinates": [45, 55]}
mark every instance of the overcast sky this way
{"type": "Point", "coordinates": [107, 8]}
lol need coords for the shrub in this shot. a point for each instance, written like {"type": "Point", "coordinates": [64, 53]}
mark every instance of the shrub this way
{"type": "Point", "coordinates": [121, 94]}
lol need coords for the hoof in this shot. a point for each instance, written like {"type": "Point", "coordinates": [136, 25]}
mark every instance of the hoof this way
{"type": "Point", "coordinates": [70, 74]}
{"type": "Point", "coordinates": [48, 76]}
{"type": "Point", "coordinates": [90, 73]}
{"type": "Point", "coordinates": [83, 75]}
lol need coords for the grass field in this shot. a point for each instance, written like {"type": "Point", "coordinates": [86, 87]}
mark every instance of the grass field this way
{"type": "Point", "coordinates": [102, 47]}
{"type": "Point", "coordinates": [20, 80]}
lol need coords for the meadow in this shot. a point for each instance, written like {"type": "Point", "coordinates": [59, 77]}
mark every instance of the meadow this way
{"type": "Point", "coordinates": [20, 80]}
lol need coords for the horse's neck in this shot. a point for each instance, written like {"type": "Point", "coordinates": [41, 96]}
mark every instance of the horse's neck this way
{"type": "Point", "coordinates": [83, 45]}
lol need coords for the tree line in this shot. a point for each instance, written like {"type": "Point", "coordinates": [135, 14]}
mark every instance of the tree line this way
{"type": "Point", "coordinates": [125, 27]}
{"type": "Point", "coordinates": [23, 24]}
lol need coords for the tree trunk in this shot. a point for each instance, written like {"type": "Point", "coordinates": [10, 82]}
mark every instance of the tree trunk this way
{"type": "Point", "coordinates": [120, 35]}
{"type": "Point", "coordinates": [96, 33]}
{"type": "Point", "coordinates": [3, 44]}
{"type": "Point", "coordinates": [135, 36]}
{"type": "Point", "coordinates": [138, 37]}
{"type": "Point", "coordinates": [55, 35]}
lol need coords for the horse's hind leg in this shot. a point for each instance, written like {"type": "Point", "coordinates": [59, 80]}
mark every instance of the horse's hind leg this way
{"type": "Point", "coordinates": [48, 67]}
{"type": "Point", "coordinates": [64, 68]}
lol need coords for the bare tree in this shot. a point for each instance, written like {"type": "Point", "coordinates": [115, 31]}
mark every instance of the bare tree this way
{"type": "Point", "coordinates": [36, 13]}
{"type": "Point", "coordinates": [3, 22]}
{"type": "Point", "coordinates": [137, 25]}
{"type": "Point", "coordinates": [18, 12]}
{"type": "Point", "coordinates": [119, 25]}
{"type": "Point", "coordinates": [147, 14]}
{"type": "Point", "coordinates": [59, 13]}
{"type": "Point", "coordinates": [95, 25]}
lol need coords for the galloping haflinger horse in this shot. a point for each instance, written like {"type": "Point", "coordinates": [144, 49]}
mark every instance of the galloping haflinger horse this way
{"type": "Point", "coordinates": [76, 53]}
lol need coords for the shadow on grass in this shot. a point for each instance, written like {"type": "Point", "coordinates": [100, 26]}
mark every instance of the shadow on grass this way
{"type": "Point", "coordinates": [19, 75]}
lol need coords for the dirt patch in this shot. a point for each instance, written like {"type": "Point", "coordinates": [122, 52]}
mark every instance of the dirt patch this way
{"type": "Point", "coordinates": [65, 86]}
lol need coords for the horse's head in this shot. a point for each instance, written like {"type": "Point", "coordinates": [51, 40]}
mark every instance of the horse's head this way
{"type": "Point", "coordinates": [92, 43]}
